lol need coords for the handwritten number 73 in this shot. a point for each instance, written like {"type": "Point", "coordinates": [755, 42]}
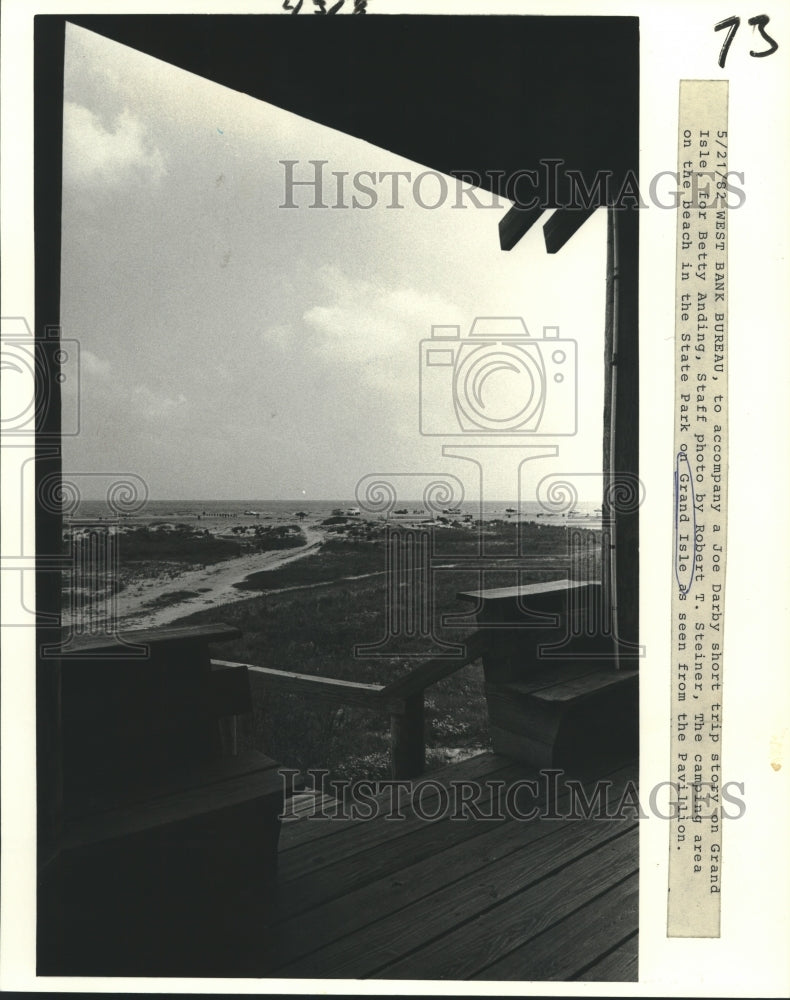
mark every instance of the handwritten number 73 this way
{"type": "Point", "coordinates": [733, 23]}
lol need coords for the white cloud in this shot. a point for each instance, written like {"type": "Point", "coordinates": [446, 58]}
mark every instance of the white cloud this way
{"type": "Point", "coordinates": [90, 364]}
{"type": "Point", "coordinates": [116, 155]}
{"type": "Point", "coordinates": [373, 329]}
{"type": "Point", "coordinates": [153, 405]}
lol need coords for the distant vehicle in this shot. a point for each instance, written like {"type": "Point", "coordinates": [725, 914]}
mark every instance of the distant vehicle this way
{"type": "Point", "coordinates": [510, 510]}
{"type": "Point", "coordinates": [253, 513]}
{"type": "Point", "coordinates": [401, 510]}
{"type": "Point", "coordinates": [451, 510]}
{"type": "Point", "coordinates": [353, 512]}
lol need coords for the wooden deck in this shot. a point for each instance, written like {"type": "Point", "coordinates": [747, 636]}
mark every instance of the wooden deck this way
{"type": "Point", "coordinates": [170, 866]}
{"type": "Point", "coordinates": [498, 899]}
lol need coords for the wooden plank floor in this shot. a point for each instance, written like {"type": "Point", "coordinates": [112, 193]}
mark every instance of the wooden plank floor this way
{"type": "Point", "coordinates": [470, 898]}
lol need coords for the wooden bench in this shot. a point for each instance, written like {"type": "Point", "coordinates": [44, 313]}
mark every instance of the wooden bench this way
{"type": "Point", "coordinates": [166, 830]}
{"type": "Point", "coordinates": [554, 695]}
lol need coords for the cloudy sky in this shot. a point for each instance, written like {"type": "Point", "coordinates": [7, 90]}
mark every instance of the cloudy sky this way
{"type": "Point", "coordinates": [234, 349]}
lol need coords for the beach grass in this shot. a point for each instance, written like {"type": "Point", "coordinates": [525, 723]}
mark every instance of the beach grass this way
{"type": "Point", "coordinates": [315, 629]}
{"type": "Point", "coordinates": [162, 550]}
{"type": "Point", "coordinates": [184, 544]}
{"type": "Point", "coordinates": [336, 560]}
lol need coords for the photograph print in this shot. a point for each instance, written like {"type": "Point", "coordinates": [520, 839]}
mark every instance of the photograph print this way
{"type": "Point", "coordinates": [338, 649]}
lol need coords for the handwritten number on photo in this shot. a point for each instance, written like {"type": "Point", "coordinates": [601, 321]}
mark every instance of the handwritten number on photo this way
{"type": "Point", "coordinates": [761, 20]}
{"type": "Point", "coordinates": [733, 23]}
{"type": "Point", "coordinates": [360, 6]}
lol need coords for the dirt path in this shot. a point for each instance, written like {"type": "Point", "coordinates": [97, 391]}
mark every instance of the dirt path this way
{"type": "Point", "coordinates": [214, 585]}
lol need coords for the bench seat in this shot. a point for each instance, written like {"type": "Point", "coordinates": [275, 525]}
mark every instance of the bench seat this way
{"type": "Point", "coordinates": [571, 720]}
{"type": "Point", "coordinates": [181, 796]}
{"type": "Point", "coordinates": [555, 696]}
{"type": "Point", "coordinates": [168, 845]}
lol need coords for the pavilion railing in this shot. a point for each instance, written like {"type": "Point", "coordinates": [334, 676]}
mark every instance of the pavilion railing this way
{"type": "Point", "coordinates": [403, 699]}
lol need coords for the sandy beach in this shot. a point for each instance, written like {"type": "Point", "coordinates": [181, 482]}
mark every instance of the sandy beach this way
{"type": "Point", "coordinates": [159, 590]}
{"type": "Point", "coordinates": [214, 585]}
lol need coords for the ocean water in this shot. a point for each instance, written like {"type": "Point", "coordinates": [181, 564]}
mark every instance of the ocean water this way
{"type": "Point", "coordinates": [252, 510]}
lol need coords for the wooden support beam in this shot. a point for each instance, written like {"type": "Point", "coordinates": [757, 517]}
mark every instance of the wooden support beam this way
{"type": "Point", "coordinates": [49, 44]}
{"type": "Point", "coordinates": [407, 733]}
{"type": "Point", "coordinates": [625, 418]}
{"type": "Point", "coordinates": [431, 671]}
{"type": "Point", "coordinates": [515, 224]}
{"type": "Point", "coordinates": [562, 225]}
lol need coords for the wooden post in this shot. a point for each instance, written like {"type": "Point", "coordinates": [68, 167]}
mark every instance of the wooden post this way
{"type": "Point", "coordinates": [407, 733]}
{"type": "Point", "coordinates": [608, 526]}
{"type": "Point", "coordinates": [620, 557]}
{"type": "Point", "coordinates": [49, 41]}
{"type": "Point", "coordinates": [625, 446]}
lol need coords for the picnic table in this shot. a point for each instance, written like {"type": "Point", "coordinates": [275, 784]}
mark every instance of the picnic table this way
{"type": "Point", "coordinates": [555, 695]}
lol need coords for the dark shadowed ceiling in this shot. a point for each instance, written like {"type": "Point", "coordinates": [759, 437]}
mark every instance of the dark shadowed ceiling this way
{"type": "Point", "coordinates": [483, 93]}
